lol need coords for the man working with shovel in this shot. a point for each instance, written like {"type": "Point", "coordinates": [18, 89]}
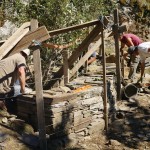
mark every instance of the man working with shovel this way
{"type": "Point", "coordinates": [143, 50]}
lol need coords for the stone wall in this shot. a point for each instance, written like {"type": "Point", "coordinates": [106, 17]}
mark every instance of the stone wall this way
{"type": "Point", "coordinates": [71, 115]}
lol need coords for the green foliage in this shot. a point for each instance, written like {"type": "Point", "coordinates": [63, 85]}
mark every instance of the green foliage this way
{"type": "Point", "coordinates": [56, 14]}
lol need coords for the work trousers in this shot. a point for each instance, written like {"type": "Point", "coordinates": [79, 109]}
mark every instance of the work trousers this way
{"type": "Point", "coordinates": [133, 66]}
{"type": "Point", "coordinates": [15, 91]}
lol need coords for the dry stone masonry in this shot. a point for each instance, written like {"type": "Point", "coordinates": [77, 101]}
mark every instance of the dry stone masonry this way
{"type": "Point", "coordinates": [73, 112]}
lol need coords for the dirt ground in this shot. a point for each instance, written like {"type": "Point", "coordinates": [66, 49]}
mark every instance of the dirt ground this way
{"type": "Point", "coordinates": [130, 128]}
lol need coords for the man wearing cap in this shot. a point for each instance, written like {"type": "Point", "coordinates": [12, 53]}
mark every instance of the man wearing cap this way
{"type": "Point", "coordinates": [143, 50]}
{"type": "Point", "coordinates": [130, 40]}
{"type": "Point", "coordinates": [12, 69]}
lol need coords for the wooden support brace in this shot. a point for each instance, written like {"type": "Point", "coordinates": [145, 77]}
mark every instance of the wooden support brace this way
{"type": "Point", "coordinates": [104, 79]}
{"type": "Point", "coordinates": [39, 92]}
{"type": "Point", "coordinates": [65, 66]}
{"type": "Point", "coordinates": [40, 34]}
{"type": "Point", "coordinates": [75, 27]}
{"type": "Point", "coordinates": [117, 51]}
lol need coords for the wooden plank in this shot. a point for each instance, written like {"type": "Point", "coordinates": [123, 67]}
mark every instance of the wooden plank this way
{"type": "Point", "coordinates": [65, 67]}
{"type": "Point", "coordinates": [104, 79]}
{"type": "Point", "coordinates": [75, 27]}
{"type": "Point", "coordinates": [39, 86]}
{"type": "Point", "coordinates": [48, 99]}
{"type": "Point", "coordinates": [39, 99]}
{"type": "Point", "coordinates": [14, 39]}
{"type": "Point", "coordinates": [117, 51]}
{"type": "Point", "coordinates": [121, 29]}
{"type": "Point", "coordinates": [40, 34]}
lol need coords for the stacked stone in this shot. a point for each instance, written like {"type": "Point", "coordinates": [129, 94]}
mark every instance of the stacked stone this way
{"type": "Point", "coordinates": [77, 114]}
{"type": "Point", "coordinates": [71, 116]}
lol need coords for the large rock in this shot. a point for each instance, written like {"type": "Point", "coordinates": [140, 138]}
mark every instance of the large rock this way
{"type": "Point", "coordinates": [7, 30]}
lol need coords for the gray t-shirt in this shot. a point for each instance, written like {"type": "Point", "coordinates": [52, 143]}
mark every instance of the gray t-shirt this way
{"type": "Point", "coordinates": [8, 71]}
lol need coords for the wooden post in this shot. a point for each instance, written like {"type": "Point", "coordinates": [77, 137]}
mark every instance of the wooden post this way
{"type": "Point", "coordinates": [86, 67]}
{"type": "Point", "coordinates": [100, 50]}
{"type": "Point", "coordinates": [86, 64]}
{"type": "Point", "coordinates": [65, 66]}
{"type": "Point", "coordinates": [104, 79]}
{"type": "Point", "coordinates": [117, 51]}
{"type": "Point", "coordinates": [77, 72]}
{"type": "Point", "coordinates": [121, 29]}
{"type": "Point", "coordinates": [39, 91]}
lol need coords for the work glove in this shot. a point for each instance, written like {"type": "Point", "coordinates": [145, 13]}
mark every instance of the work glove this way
{"type": "Point", "coordinates": [129, 62]}
{"type": "Point", "coordinates": [27, 90]}
{"type": "Point", "coordinates": [36, 43]}
{"type": "Point", "coordinates": [140, 80]}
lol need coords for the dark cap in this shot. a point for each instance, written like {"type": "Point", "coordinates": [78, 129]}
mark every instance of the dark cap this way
{"type": "Point", "coordinates": [131, 49]}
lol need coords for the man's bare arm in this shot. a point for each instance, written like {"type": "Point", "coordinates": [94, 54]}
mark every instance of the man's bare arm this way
{"type": "Point", "coordinates": [50, 45]}
{"type": "Point", "coordinates": [21, 74]}
{"type": "Point", "coordinates": [129, 42]}
{"type": "Point", "coordinates": [91, 60]}
{"type": "Point", "coordinates": [122, 46]}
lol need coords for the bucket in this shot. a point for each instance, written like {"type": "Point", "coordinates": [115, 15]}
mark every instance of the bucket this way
{"type": "Point", "coordinates": [130, 90]}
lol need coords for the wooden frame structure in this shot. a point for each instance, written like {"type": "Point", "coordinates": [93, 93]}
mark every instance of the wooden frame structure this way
{"type": "Point", "coordinates": [79, 50]}
{"type": "Point", "coordinates": [29, 31]}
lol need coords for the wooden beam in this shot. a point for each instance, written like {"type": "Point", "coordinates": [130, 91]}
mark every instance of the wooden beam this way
{"type": "Point", "coordinates": [104, 78]}
{"type": "Point", "coordinates": [75, 27]}
{"type": "Point", "coordinates": [14, 39]}
{"type": "Point", "coordinates": [122, 29]}
{"type": "Point", "coordinates": [39, 92]}
{"type": "Point", "coordinates": [40, 34]}
{"type": "Point", "coordinates": [117, 51]}
{"type": "Point", "coordinates": [65, 66]}
{"type": "Point", "coordinates": [84, 45]}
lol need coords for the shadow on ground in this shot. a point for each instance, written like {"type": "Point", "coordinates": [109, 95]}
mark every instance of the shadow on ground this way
{"type": "Point", "coordinates": [133, 128]}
